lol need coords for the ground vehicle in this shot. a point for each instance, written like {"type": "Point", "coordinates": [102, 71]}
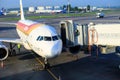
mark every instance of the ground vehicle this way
{"type": "Point", "coordinates": [100, 15]}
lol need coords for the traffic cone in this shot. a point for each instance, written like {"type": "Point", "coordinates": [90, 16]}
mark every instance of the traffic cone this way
{"type": "Point", "coordinates": [2, 64]}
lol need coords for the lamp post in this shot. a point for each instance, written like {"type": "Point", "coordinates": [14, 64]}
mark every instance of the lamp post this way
{"type": "Point", "coordinates": [68, 6]}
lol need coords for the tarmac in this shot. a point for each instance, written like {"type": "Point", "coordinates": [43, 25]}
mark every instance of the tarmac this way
{"type": "Point", "coordinates": [27, 66]}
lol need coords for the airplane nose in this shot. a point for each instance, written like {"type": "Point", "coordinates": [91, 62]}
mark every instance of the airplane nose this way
{"type": "Point", "coordinates": [53, 50]}
{"type": "Point", "coordinates": [56, 49]}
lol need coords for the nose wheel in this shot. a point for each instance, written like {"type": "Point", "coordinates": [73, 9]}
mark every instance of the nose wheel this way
{"type": "Point", "coordinates": [46, 64]}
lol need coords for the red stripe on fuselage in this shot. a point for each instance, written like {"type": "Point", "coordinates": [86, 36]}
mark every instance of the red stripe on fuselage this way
{"type": "Point", "coordinates": [27, 28]}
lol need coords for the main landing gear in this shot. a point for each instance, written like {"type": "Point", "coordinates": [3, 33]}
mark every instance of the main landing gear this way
{"type": "Point", "coordinates": [12, 50]}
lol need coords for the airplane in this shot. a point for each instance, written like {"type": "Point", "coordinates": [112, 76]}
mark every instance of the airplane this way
{"type": "Point", "coordinates": [3, 12]}
{"type": "Point", "coordinates": [40, 38]}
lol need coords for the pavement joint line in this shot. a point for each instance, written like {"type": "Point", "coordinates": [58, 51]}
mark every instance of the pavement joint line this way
{"type": "Point", "coordinates": [38, 60]}
{"type": "Point", "coordinates": [48, 70]}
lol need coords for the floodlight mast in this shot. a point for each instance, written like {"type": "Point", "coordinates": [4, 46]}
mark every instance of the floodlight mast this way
{"type": "Point", "coordinates": [68, 6]}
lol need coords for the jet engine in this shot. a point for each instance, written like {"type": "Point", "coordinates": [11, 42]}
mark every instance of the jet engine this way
{"type": "Point", "coordinates": [3, 52]}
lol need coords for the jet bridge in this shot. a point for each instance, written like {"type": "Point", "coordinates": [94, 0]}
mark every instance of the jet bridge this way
{"type": "Point", "coordinates": [73, 35]}
{"type": "Point", "coordinates": [77, 36]}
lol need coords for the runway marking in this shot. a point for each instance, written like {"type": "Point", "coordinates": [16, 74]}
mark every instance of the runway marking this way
{"type": "Point", "coordinates": [48, 70]}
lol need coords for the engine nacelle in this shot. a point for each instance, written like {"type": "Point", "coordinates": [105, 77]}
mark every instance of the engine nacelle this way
{"type": "Point", "coordinates": [3, 52]}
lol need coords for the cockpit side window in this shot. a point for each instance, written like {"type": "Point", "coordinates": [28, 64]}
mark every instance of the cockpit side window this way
{"type": "Point", "coordinates": [55, 38]}
{"type": "Point", "coordinates": [40, 38]}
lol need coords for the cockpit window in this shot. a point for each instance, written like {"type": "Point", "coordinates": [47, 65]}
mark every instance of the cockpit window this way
{"type": "Point", "coordinates": [47, 38]}
{"type": "Point", "coordinates": [55, 38]}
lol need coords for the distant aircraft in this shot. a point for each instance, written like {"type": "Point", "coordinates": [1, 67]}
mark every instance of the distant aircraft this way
{"type": "Point", "coordinates": [2, 12]}
{"type": "Point", "coordinates": [57, 11]}
{"type": "Point", "coordinates": [40, 38]}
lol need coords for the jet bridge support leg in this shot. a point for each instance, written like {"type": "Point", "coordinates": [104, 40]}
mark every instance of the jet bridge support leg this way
{"type": "Point", "coordinates": [95, 50]}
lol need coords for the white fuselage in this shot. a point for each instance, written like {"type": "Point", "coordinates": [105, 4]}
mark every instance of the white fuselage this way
{"type": "Point", "coordinates": [40, 38]}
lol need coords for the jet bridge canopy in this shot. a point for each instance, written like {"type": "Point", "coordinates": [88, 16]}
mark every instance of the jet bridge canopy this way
{"type": "Point", "coordinates": [67, 33]}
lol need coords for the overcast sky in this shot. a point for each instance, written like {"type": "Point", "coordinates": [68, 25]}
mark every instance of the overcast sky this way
{"type": "Point", "coordinates": [27, 3]}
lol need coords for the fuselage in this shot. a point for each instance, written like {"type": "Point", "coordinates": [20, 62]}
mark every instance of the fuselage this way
{"type": "Point", "coordinates": [40, 38]}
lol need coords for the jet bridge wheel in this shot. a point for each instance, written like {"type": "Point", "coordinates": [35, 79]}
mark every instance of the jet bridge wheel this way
{"type": "Point", "coordinates": [75, 49]}
{"type": "Point", "coordinates": [117, 49]}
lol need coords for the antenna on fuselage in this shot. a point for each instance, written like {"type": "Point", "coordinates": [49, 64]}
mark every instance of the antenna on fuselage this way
{"type": "Point", "coordinates": [21, 11]}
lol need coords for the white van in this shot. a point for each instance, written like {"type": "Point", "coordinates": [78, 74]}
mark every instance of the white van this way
{"type": "Point", "coordinates": [100, 15]}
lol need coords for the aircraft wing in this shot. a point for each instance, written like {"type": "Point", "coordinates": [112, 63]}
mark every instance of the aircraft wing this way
{"type": "Point", "coordinates": [11, 40]}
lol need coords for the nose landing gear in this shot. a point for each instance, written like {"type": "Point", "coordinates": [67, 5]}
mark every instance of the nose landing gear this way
{"type": "Point", "coordinates": [46, 64]}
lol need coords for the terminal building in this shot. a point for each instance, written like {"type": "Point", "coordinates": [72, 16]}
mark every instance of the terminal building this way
{"type": "Point", "coordinates": [45, 9]}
